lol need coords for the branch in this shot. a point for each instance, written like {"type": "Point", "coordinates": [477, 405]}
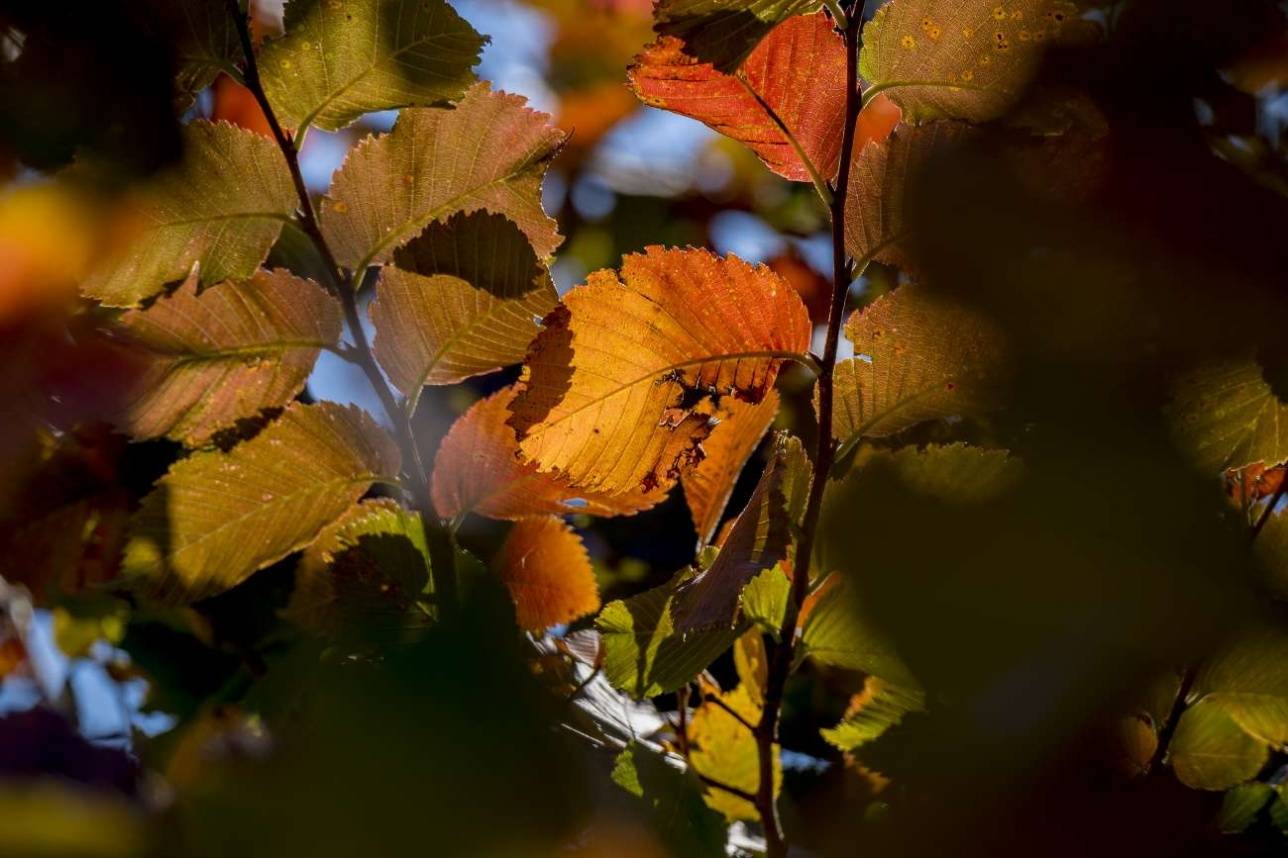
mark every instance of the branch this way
{"type": "Point", "coordinates": [726, 707]}
{"type": "Point", "coordinates": [441, 554]}
{"type": "Point", "coordinates": [732, 790]}
{"type": "Point", "coordinates": [782, 652]}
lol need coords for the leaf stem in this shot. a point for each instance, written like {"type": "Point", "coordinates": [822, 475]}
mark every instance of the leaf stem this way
{"type": "Point", "coordinates": [442, 558]}
{"type": "Point", "coordinates": [781, 654]}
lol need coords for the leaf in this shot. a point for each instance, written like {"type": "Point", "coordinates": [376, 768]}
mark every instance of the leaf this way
{"type": "Point", "coordinates": [221, 209]}
{"type": "Point", "coordinates": [724, 32]}
{"type": "Point", "coordinates": [339, 60]}
{"type": "Point", "coordinates": [473, 311]}
{"type": "Point", "coordinates": [615, 391]}
{"type": "Point", "coordinates": [797, 74]}
{"type": "Point", "coordinates": [365, 569]}
{"type": "Point", "coordinates": [878, 707]}
{"type": "Point", "coordinates": [722, 748]}
{"type": "Point", "coordinates": [643, 654]}
{"type": "Point", "coordinates": [205, 43]}
{"type": "Point", "coordinates": [725, 453]}
{"type": "Point", "coordinates": [1226, 415]}
{"type": "Point", "coordinates": [545, 566]}
{"type": "Point", "coordinates": [1249, 681]}
{"type": "Point", "coordinates": [1210, 751]}
{"type": "Point", "coordinates": [751, 663]}
{"type": "Point", "coordinates": [835, 632]}
{"type": "Point", "coordinates": [886, 174]}
{"type": "Point", "coordinates": [489, 153]}
{"type": "Point", "coordinates": [764, 600]}
{"type": "Point", "coordinates": [222, 355]}
{"type": "Point", "coordinates": [760, 539]}
{"type": "Point", "coordinates": [918, 358]}
{"type": "Point", "coordinates": [1241, 806]}
{"type": "Point", "coordinates": [673, 797]}
{"type": "Point", "coordinates": [217, 517]}
{"type": "Point", "coordinates": [479, 469]}
{"type": "Point", "coordinates": [959, 60]}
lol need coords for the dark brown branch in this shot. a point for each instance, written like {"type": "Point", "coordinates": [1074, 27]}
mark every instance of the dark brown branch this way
{"type": "Point", "coordinates": [345, 287]}
{"type": "Point", "coordinates": [781, 653]}
{"type": "Point", "coordinates": [732, 790]}
{"type": "Point", "coordinates": [726, 707]}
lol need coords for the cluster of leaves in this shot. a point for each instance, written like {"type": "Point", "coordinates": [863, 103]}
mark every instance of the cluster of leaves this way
{"type": "Point", "coordinates": [1000, 528]}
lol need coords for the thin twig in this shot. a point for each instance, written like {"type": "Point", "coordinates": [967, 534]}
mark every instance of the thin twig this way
{"type": "Point", "coordinates": [732, 790]}
{"type": "Point", "coordinates": [726, 707]}
{"type": "Point", "coordinates": [439, 541]}
{"type": "Point", "coordinates": [781, 654]}
{"type": "Point", "coordinates": [1168, 728]}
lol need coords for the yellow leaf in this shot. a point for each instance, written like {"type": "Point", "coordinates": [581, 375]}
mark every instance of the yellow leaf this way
{"type": "Point", "coordinates": [722, 748]}
{"type": "Point", "coordinates": [727, 448]}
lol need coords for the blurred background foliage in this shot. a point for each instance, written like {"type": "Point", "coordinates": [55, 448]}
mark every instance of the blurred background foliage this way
{"type": "Point", "coordinates": [221, 729]}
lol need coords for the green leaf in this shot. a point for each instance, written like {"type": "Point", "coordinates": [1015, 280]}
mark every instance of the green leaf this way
{"type": "Point", "coordinates": [960, 59]}
{"type": "Point", "coordinates": [469, 308]}
{"type": "Point", "coordinates": [339, 60]}
{"type": "Point", "coordinates": [759, 540]}
{"type": "Point", "coordinates": [224, 354]}
{"type": "Point", "coordinates": [878, 707]}
{"type": "Point", "coordinates": [673, 798]}
{"type": "Point", "coordinates": [644, 655]}
{"type": "Point", "coordinates": [217, 517]}
{"type": "Point", "coordinates": [489, 153]}
{"type": "Point", "coordinates": [1227, 416]}
{"type": "Point", "coordinates": [365, 570]}
{"type": "Point", "coordinates": [1240, 806]}
{"type": "Point", "coordinates": [1210, 751]}
{"type": "Point", "coordinates": [919, 358]}
{"type": "Point", "coordinates": [764, 600]}
{"type": "Point", "coordinates": [724, 32]}
{"type": "Point", "coordinates": [1279, 809]}
{"type": "Point", "coordinates": [221, 209]}
{"type": "Point", "coordinates": [205, 42]}
{"type": "Point", "coordinates": [836, 632]}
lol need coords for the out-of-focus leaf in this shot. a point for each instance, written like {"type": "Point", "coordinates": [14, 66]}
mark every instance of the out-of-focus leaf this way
{"type": "Point", "coordinates": [968, 60]}
{"type": "Point", "coordinates": [834, 631]}
{"type": "Point", "coordinates": [644, 655]}
{"type": "Point", "coordinates": [79, 624]}
{"type": "Point", "coordinates": [796, 74]}
{"type": "Point", "coordinates": [49, 818]}
{"type": "Point", "coordinates": [547, 570]}
{"type": "Point", "coordinates": [205, 41]}
{"type": "Point", "coordinates": [338, 61]}
{"type": "Point", "coordinates": [760, 539]}
{"type": "Point", "coordinates": [221, 209]}
{"type": "Point", "coordinates": [722, 748]}
{"type": "Point", "coordinates": [463, 301]}
{"type": "Point", "coordinates": [223, 354]}
{"type": "Point", "coordinates": [673, 797]}
{"type": "Point", "coordinates": [1227, 416]}
{"type": "Point", "coordinates": [707, 487]}
{"type": "Point", "coordinates": [1210, 751]}
{"type": "Point", "coordinates": [615, 390]}
{"type": "Point", "coordinates": [488, 153]}
{"type": "Point", "coordinates": [875, 709]}
{"type": "Point", "coordinates": [1241, 805]}
{"type": "Point", "coordinates": [885, 174]}
{"type": "Point", "coordinates": [479, 469]}
{"type": "Point", "coordinates": [918, 358]}
{"type": "Point", "coordinates": [721, 32]}
{"type": "Point", "coordinates": [364, 569]}
{"type": "Point", "coordinates": [217, 517]}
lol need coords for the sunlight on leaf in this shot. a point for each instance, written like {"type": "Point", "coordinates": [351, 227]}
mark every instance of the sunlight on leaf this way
{"type": "Point", "coordinates": [724, 749]}
{"type": "Point", "coordinates": [1227, 416]}
{"type": "Point", "coordinates": [545, 566]}
{"type": "Point", "coordinates": [723, 32]}
{"type": "Point", "coordinates": [1210, 751]}
{"type": "Point", "coordinates": [874, 710]}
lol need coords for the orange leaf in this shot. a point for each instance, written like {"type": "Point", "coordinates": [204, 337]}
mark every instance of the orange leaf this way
{"type": "Point", "coordinates": [479, 469]}
{"type": "Point", "coordinates": [797, 72]}
{"type": "Point", "coordinates": [234, 103]}
{"type": "Point", "coordinates": [620, 387]}
{"type": "Point", "coordinates": [730, 445]}
{"type": "Point", "coordinates": [548, 573]}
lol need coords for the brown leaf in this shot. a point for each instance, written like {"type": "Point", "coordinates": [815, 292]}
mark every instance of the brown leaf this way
{"type": "Point", "coordinates": [727, 449]}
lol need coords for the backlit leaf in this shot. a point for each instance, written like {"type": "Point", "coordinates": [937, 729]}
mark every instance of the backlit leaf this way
{"type": "Point", "coordinates": [224, 354]}
{"type": "Point", "coordinates": [217, 517]}
{"type": "Point", "coordinates": [488, 153]}
{"type": "Point", "coordinates": [548, 573]}
{"type": "Point", "coordinates": [764, 600]}
{"type": "Point", "coordinates": [339, 60]}
{"type": "Point", "coordinates": [760, 539]}
{"type": "Point", "coordinates": [463, 301]}
{"type": "Point", "coordinates": [616, 391]}
{"type": "Point", "coordinates": [643, 654]}
{"type": "Point", "coordinates": [835, 632]}
{"type": "Point", "coordinates": [205, 43]}
{"type": "Point", "coordinates": [918, 357]}
{"type": "Point", "coordinates": [673, 796]}
{"type": "Point", "coordinates": [727, 449]}
{"type": "Point", "coordinates": [365, 568]}
{"type": "Point", "coordinates": [875, 709]}
{"type": "Point", "coordinates": [479, 469]}
{"type": "Point", "coordinates": [724, 32]}
{"type": "Point", "coordinates": [221, 208]}
{"type": "Point", "coordinates": [722, 748]}
{"type": "Point", "coordinates": [796, 74]}
{"type": "Point", "coordinates": [1210, 751]}
{"type": "Point", "coordinates": [1241, 805]}
{"type": "Point", "coordinates": [959, 59]}
{"type": "Point", "coordinates": [1227, 416]}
